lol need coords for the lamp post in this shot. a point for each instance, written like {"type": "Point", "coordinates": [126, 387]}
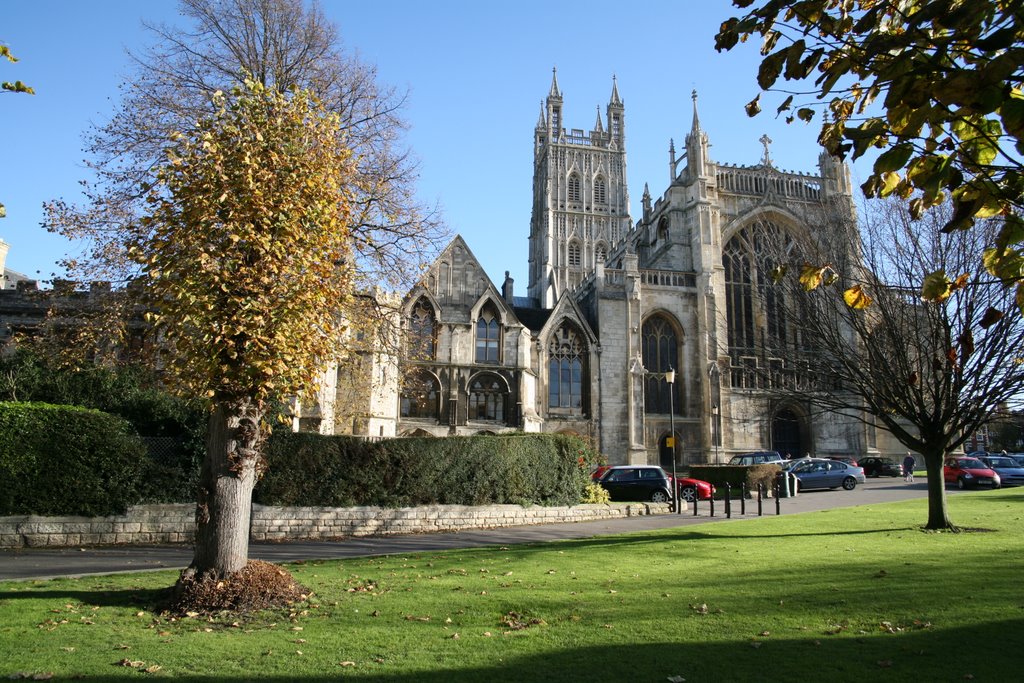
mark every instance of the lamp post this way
{"type": "Point", "coordinates": [670, 377]}
{"type": "Point", "coordinates": [714, 429]}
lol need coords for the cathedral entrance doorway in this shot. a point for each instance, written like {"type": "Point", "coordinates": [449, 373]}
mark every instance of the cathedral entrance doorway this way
{"type": "Point", "coordinates": [786, 436]}
{"type": "Point", "coordinates": [666, 454]}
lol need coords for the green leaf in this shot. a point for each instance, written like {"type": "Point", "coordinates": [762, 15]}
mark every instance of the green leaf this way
{"type": "Point", "coordinates": [1012, 116]}
{"type": "Point", "coordinates": [991, 317]}
{"type": "Point", "coordinates": [894, 158]}
{"type": "Point", "coordinates": [771, 68]}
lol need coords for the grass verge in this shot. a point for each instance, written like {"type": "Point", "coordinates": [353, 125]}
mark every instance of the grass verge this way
{"type": "Point", "coordinates": [850, 594]}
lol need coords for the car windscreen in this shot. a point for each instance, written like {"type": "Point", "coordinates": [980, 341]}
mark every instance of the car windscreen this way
{"type": "Point", "coordinates": [971, 464]}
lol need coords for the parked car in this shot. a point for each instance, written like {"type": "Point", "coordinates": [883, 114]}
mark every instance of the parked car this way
{"type": "Point", "coordinates": [758, 458]}
{"type": "Point", "coordinates": [877, 466]}
{"type": "Point", "coordinates": [1011, 472]}
{"type": "Point", "coordinates": [1019, 457]}
{"type": "Point", "coordinates": [967, 472]}
{"type": "Point", "coordinates": [637, 482]}
{"type": "Point", "coordinates": [691, 490]}
{"type": "Point", "coordinates": [848, 459]}
{"type": "Point", "coordinates": [822, 473]}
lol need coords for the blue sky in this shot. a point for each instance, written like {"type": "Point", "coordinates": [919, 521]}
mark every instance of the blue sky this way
{"type": "Point", "coordinates": [475, 72]}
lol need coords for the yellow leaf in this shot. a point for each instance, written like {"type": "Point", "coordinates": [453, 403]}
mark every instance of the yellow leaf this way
{"type": "Point", "coordinates": [856, 298]}
{"type": "Point", "coordinates": [811, 276]}
{"type": "Point", "coordinates": [936, 287]}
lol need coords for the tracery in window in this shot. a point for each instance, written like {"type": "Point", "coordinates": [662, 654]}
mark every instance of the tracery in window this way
{"type": "Point", "coordinates": [488, 335]}
{"type": "Point", "coordinates": [574, 255]}
{"type": "Point", "coordinates": [422, 332]}
{"type": "Point", "coordinates": [420, 392]}
{"type": "Point", "coordinates": [600, 253]}
{"type": "Point", "coordinates": [567, 369]}
{"type": "Point", "coordinates": [758, 325]}
{"type": "Point", "coordinates": [487, 398]}
{"type": "Point", "coordinates": [660, 353]}
{"type": "Point", "coordinates": [574, 188]}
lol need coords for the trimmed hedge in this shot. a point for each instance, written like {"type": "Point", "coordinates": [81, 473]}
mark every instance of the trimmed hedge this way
{"type": "Point", "coordinates": [340, 471]}
{"type": "Point", "coordinates": [66, 460]}
{"type": "Point", "coordinates": [735, 475]}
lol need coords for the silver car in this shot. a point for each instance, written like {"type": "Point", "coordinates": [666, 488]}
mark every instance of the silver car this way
{"type": "Point", "coordinates": [821, 473]}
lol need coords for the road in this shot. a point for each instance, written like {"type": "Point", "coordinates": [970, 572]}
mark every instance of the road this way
{"type": "Point", "coordinates": [46, 563]}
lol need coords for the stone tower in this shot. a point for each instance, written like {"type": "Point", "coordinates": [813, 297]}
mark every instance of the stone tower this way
{"type": "Point", "coordinates": [580, 197]}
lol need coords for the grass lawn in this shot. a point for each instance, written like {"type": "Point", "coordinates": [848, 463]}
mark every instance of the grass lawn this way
{"type": "Point", "coordinates": [848, 595]}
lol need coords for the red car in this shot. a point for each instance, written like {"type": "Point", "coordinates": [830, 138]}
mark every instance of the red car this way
{"type": "Point", "coordinates": [968, 472]}
{"type": "Point", "coordinates": [694, 489]}
{"type": "Point", "coordinates": [689, 489]}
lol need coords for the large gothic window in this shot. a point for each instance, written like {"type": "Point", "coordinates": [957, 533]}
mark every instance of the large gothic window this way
{"type": "Point", "coordinates": [761, 340]}
{"type": "Point", "coordinates": [422, 332]}
{"type": "Point", "coordinates": [420, 392]}
{"type": "Point", "coordinates": [488, 336]}
{"type": "Point", "coordinates": [567, 369]}
{"type": "Point", "coordinates": [660, 349]}
{"type": "Point", "coordinates": [575, 259]}
{"type": "Point", "coordinates": [487, 398]}
{"type": "Point", "coordinates": [574, 188]}
{"type": "Point", "coordinates": [600, 190]}
{"type": "Point", "coordinates": [600, 253]}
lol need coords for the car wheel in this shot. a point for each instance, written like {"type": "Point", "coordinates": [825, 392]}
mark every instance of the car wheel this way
{"type": "Point", "coordinates": [688, 493]}
{"type": "Point", "coordinates": [659, 497]}
{"type": "Point", "coordinates": [961, 484]}
{"type": "Point", "coordinates": [849, 483]}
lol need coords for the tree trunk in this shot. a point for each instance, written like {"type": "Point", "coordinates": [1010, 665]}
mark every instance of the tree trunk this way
{"type": "Point", "coordinates": [229, 473]}
{"type": "Point", "coordinates": [938, 519]}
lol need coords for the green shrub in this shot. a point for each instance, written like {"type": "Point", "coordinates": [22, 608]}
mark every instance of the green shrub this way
{"type": "Point", "coordinates": [65, 460]}
{"type": "Point", "coordinates": [735, 476]}
{"type": "Point", "coordinates": [312, 469]}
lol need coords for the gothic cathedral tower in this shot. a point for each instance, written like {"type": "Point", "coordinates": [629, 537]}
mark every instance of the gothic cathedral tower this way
{"type": "Point", "coordinates": [580, 197]}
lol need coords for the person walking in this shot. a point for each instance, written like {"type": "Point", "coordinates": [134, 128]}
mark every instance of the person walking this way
{"type": "Point", "coordinates": [908, 468]}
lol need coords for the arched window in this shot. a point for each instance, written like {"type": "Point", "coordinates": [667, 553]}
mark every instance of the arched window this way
{"type": "Point", "coordinates": [660, 349]}
{"type": "Point", "coordinates": [574, 255]}
{"type": "Point", "coordinates": [488, 336]}
{"type": "Point", "coordinates": [600, 190]}
{"type": "Point", "coordinates": [600, 253]}
{"type": "Point", "coordinates": [663, 229]}
{"type": "Point", "coordinates": [487, 398]}
{"type": "Point", "coordinates": [574, 188]}
{"type": "Point", "coordinates": [758, 325]}
{"type": "Point", "coordinates": [422, 332]}
{"type": "Point", "coordinates": [420, 392]}
{"type": "Point", "coordinates": [567, 369]}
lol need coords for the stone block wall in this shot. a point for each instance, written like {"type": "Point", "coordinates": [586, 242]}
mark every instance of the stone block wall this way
{"type": "Point", "coordinates": [158, 524]}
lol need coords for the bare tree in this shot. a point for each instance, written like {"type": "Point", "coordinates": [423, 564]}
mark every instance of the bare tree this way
{"type": "Point", "coordinates": [930, 372]}
{"type": "Point", "coordinates": [282, 44]}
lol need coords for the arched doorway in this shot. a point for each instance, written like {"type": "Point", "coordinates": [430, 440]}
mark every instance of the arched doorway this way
{"type": "Point", "coordinates": [786, 437]}
{"type": "Point", "coordinates": [665, 453]}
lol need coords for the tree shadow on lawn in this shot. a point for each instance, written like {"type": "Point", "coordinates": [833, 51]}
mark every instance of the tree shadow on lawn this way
{"type": "Point", "coordinates": [150, 599]}
{"type": "Point", "coordinates": [909, 653]}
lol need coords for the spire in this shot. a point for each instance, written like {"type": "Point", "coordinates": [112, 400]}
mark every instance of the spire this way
{"type": "Point", "coordinates": [696, 119]}
{"type": "Point", "coordinates": [554, 84]}
{"type": "Point", "coordinates": [599, 127]}
{"type": "Point", "coordinates": [615, 92]}
{"type": "Point", "coordinates": [646, 202]}
{"type": "Point", "coordinates": [542, 121]}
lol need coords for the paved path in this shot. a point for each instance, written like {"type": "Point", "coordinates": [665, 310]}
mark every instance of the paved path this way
{"type": "Point", "coordinates": [44, 563]}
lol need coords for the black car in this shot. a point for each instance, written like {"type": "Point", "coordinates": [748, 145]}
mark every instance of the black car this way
{"type": "Point", "coordinates": [637, 482]}
{"type": "Point", "coordinates": [876, 466]}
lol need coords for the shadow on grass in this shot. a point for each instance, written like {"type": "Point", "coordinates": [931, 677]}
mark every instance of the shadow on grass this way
{"type": "Point", "coordinates": [913, 653]}
{"type": "Point", "coordinates": [150, 599]}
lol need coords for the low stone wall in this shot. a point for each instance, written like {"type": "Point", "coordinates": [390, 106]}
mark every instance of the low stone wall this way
{"type": "Point", "coordinates": [149, 524]}
{"type": "Point", "coordinates": [141, 524]}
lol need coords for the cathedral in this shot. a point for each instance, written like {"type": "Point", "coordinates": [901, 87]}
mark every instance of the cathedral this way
{"type": "Point", "coordinates": [653, 339]}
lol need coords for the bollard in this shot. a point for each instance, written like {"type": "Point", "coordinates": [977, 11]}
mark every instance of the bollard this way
{"type": "Point", "coordinates": [696, 499]}
{"type": "Point", "coordinates": [778, 500]}
{"type": "Point", "coordinates": [712, 501]}
{"type": "Point", "coordinates": [728, 500]}
{"type": "Point", "coordinates": [760, 496]}
{"type": "Point", "coordinates": [743, 498]}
